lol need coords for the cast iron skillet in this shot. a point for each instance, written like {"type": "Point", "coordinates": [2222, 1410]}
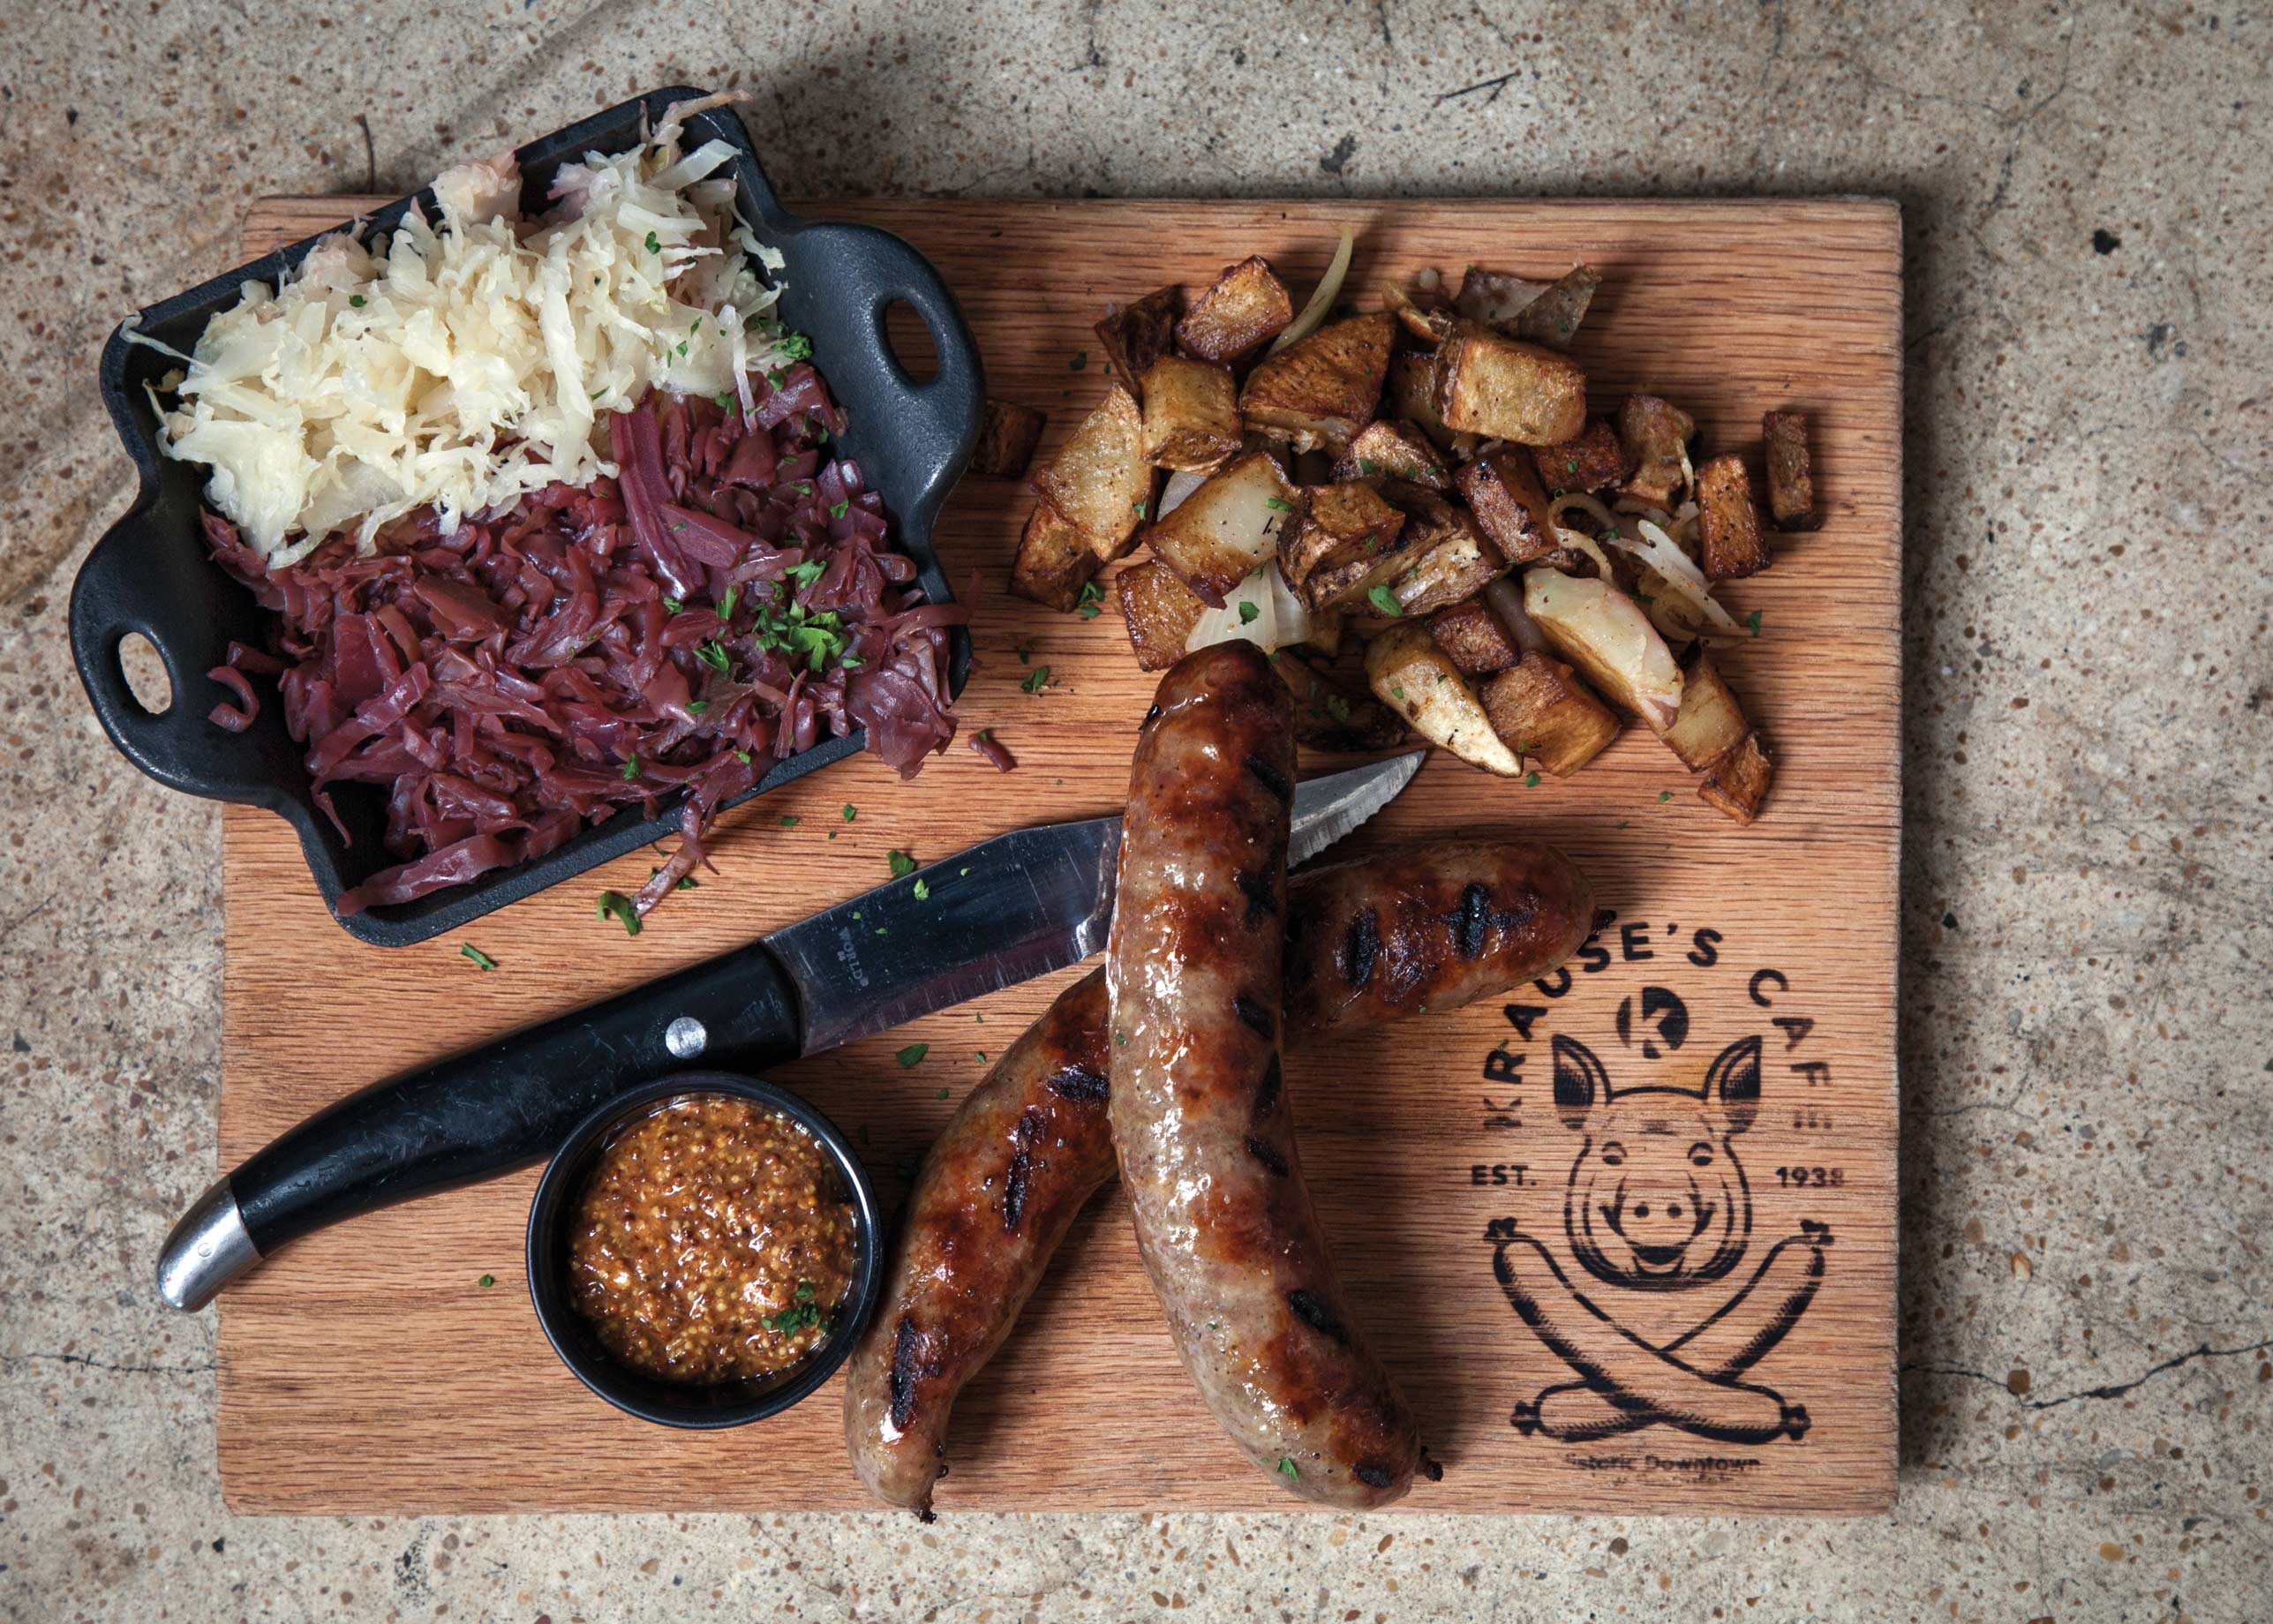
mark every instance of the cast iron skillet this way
{"type": "Point", "coordinates": [151, 573]}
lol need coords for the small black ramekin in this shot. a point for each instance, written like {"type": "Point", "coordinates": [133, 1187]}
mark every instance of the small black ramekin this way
{"type": "Point", "coordinates": [673, 1403]}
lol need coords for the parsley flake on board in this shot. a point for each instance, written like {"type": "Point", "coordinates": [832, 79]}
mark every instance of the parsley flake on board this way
{"type": "Point", "coordinates": [1531, 780]}
{"type": "Point", "coordinates": [482, 961]}
{"type": "Point", "coordinates": [487, 1282]}
{"type": "Point", "coordinates": [615, 905]}
{"type": "Point", "coordinates": [902, 864]}
{"type": "Point", "coordinates": [1087, 605]}
{"type": "Point", "coordinates": [1753, 621]}
{"type": "Point", "coordinates": [1384, 600]}
{"type": "Point", "coordinates": [1664, 795]}
{"type": "Point", "coordinates": [1036, 680]}
{"type": "Point", "coordinates": [788, 821]}
{"type": "Point", "coordinates": [908, 1057]}
{"type": "Point", "coordinates": [851, 811]}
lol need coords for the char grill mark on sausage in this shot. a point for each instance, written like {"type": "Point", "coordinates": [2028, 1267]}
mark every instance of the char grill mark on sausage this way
{"type": "Point", "coordinates": [1269, 1157]}
{"type": "Point", "coordinates": [1260, 889]}
{"type": "Point", "coordinates": [1472, 921]}
{"type": "Point", "coordinates": [907, 1369]}
{"type": "Point", "coordinates": [1264, 1024]}
{"type": "Point", "coordinates": [1267, 1092]}
{"type": "Point", "coordinates": [1361, 944]}
{"type": "Point", "coordinates": [1081, 1084]}
{"type": "Point", "coordinates": [1369, 1471]}
{"type": "Point", "coordinates": [1270, 777]}
{"type": "Point", "coordinates": [1315, 1314]}
{"type": "Point", "coordinates": [1031, 1125]}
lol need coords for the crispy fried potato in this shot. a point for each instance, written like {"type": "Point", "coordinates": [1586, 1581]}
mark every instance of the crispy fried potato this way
{"type": "Point", "coordinates": [1221, 534]}
{"type": "Point", "coordinates": [1791, 476]}
{"type": "Point", "coordinates": [1346, 541]}
{"type": "Point", "coordinates": [1603, 633]}
{"type": "Point", "coordinates": [1710, 722]}
{"type": "Point", "coordinates": [1328, 717]}
{"type": "Point", "coordinates": [1007, 434]}
{"type": "Point", "coordinates": [1504, 493]}
{"type": "Point", "coordinates": [1729, 542]}
{"type": "Point", "coordinates": [1159, 612]}
{"type": "Point", "coordinates": [1474, 637]}
{"type": "Point", "coordinates": [1136, 335]}
{"type": "Point", "coordinates": [1409, 393]}
{"type": "Point", "coordinates": [1553, 317]}
{"type": "Point", "coordinates": [1654, 433]}
{"type": "Point", "coordinates": [1055, 560]}
{"type": "Point", "coordinates": [1099, 478]}
{"type": "Point", "coordinates": [1538, 708]}
{"type": "Point", "coordinates": [1449, 557]}
{"type": "Point", "coordinates": [1504, 389]}
{"type": "Point", "coordinates": [1738, 781]}
{"type": "Point", "coordinates": [1322, 389]}
{"type": "Point", "coordinates": [1191, 415]}
{"type": "Point", "coordinates": [1593, 462]}
{"type": "Point", "coordinates": [1415, 677]}
{"type": "Point", "coordinates": [1397, 450]}
{"type": "Point", "coordinates": [1245, 306]}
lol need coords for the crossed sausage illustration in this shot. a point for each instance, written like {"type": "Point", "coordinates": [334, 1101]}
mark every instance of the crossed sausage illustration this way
{"type": "Point", "coordinates": [1657, 1201]}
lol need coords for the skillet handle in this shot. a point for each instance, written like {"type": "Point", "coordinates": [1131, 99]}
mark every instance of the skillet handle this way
{"type": "Point", "coordinates": [477, 1114]}
{"type": "Point", "coordinates": [936, 423]}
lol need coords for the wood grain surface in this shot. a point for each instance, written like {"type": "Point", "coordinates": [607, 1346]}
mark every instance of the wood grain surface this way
{"type": "Point", "coordinates": [367, 1369]}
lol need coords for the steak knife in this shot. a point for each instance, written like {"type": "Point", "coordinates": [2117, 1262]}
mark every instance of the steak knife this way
{"type": "Point", "coordinates": [1010, 908]}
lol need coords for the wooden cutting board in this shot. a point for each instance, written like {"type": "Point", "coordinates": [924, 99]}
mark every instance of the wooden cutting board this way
{"type": "Point", "coordinates": [369, 1369]}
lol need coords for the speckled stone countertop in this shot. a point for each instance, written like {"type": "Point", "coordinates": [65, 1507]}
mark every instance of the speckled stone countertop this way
{"type": "Point", "coordinates": [2086, 1375]}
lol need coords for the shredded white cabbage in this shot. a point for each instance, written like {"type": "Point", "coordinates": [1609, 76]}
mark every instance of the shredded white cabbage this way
{"type": "Point", "coordinates": [1262, 609]}
{"type": "Point", "coordinates": [465, 362]}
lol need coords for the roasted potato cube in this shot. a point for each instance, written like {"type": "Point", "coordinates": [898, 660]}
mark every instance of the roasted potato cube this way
{"type": "Point", "coordinates": [1447, 557]}
{"type": "Point", "coordinates": [1603, 633]}
{"type": "Point", "coordinates": [1327, 718]}
{"type": "Point", "coordinates": [1729, 542]}
{"type": "Point", "coordinates": [1593, 462]}
{"type": "Point", "coordinates": [1503, 389]}
{"type": "Point", "coordinates": [1505, 496]}
{"type": "Point", "coordinates": [1099, 478]}
{"type": "Point", "coordinates": [1221, 534]}
{"type": "Point", "coordinates": [1472, 635]}
{"type": "Point", "coordinates": [1553, 317]}
{"type": "Point", "coordinates": [1321, 389]}
{"type": "Point", "coordinates": [1738, 781]}
{"type": "Point", "coordinates": [1346, 541]}
{"type": "Point", "coordinates": [1007, 434]}
{"type": "Point", "coordinates": [1791, 476]}
{"type": "Point", "coordinates": [1396, 451]}
{"type": "Point", "coordinates": [1409, 393]}
{"type": "Point", "coordinates": [1654, 433]}
{"type": "Point", "coordinates": [1160, 611]}
{"type": "Point", "coordinates": [1326, 628]}
{"type": "Point", "coordinates": [1191, 415]}
{"type": "Point", "coordinates": [1540, 708]}
{"type": "Point", "coordinates": [1416, 679]}
{"type": "Point", "coordinates": [1710, 722]}
{"type": "Point", "coordinates": [1136, 335]}
{"type": "Point", "coordinates": [1495, 297]}
{"type": "Point", "coordinates": [1245, 306]}
{"type": "Point", "coordinates": [1055, 560]}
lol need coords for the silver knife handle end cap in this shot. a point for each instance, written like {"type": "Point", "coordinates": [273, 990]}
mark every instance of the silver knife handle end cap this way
{"type": "Point", "coordinates": [210, 1247]}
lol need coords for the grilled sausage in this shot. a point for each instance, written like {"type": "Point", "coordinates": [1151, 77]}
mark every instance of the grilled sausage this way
{"type": "Point", "coordinates": [993, 1198]}
{"type": "Point", "coordinates": [1201, 1126]}
{"type": "Point", "coordinates": [1000, 1186]}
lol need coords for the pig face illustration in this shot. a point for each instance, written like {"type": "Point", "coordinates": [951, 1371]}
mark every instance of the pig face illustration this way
{"type": "Point", "coordinates": [1656, 1200]}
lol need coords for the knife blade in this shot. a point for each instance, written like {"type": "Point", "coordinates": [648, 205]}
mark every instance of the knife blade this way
{"type": "Point", "coordinates": [1006, 910]}
{"type": "Point", "coordinates": [1014, 906]}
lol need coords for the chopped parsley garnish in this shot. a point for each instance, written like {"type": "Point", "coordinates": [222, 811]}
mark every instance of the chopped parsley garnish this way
{"type": "Point", "coordinates": [851, 811]}
{"type": "Point", "coordinates": [838, 510]}
{"type": "Point", "coordinates": [902, 864]}
{"type": "Point", "coordinates": [616, 905]}
{"type": "Point", "coordinates": [1248, 612]}
{"type": "Point", "coordinates": [803, 1312]}
{"type": "Point", "coordinates": [922, 890]}
{"type": "Point", "coordinates": [727, 400]}
{"type": "Point", "coordinates": [1531, 780]}
{"type": "Point", "coordinates": [714, 655]}
{"type": "Point", "coordinates": [1385, 600]}
{"type": "Point", "coordinates": [1081, 360]}
{"type": "Point", "coordinates": [797, 347]}
{"type": "Point", "coordinates": [807, 573]}
{"type": "Point", "coordinates": [914, 1052]}
{"type": "Point", "coordinates": [1753, 621]}
{"type": "Point", "coordinates": [481, 960]}
{"type": "Point", "coordinates": [672, 605]}
{"type": "Point", "coordinates": [742, 756]}
{"type": "Point", "coordinates": [726, 604]}
{"type": "Point", "coordinates": [356, 299]}
{"type": "Point", "coordinates": [1036, 680]}
{"type": "Point", "coordinates": [631, 769]}
{"type": "Point", "coordinates": [1289, 1470]}
{"type": "Point", "coordinates": [696, 707]}
{"type": "Point", "coordinates": [789, 820]}
{"type": "Point", "coordinates": [654, 244]}
{"type": "Point", "coordinates": [1139, 506]}
{"type": "Point", "coordinates": [1337, 707]}
{"type": "Point", "coordinates": [487, 1282]}
{"type": "Point", "coordinates": [1367, 466]}
{"type": "Point", "coordinates": [1279, 503]}
{"type": "Point", "coordinates": [1664, 795]}
{"type": "Point", "coordinates": [1091, 601]}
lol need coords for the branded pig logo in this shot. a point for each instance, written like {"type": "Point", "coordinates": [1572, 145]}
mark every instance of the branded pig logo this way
{"type": "Point", "coordinates": [1657, 1201]}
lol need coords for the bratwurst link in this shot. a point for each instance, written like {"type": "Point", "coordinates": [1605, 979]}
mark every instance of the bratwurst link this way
{"type": "Point", "coordinates": [1425, 928]}
{"type": "Point", "coordinates": [1201, 1122]}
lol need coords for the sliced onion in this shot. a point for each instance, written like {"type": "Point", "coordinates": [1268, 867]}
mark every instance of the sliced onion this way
{"type": "Point", "coordinates": [1505, 598]}
{"type": "Point", "coordinates": [1180, 484]}
{"type": "Point", "coordinates": [1328, 290]}
{"type": "Point", "coordinates": [1579, 541]}
{"type": "Point", "coordinates": [1657, 553]}
{"type": "Point", "coordinates": [1280, 617]}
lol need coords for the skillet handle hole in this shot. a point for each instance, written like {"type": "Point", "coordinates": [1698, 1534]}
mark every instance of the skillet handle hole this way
{"type": "Point", "coordinates": [910, 338]}
{"type": "Point", "coordinates": [145, 670]}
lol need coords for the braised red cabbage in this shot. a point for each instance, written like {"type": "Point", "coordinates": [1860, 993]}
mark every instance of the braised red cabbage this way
{"type": "Point", "coordinates": [728, 600]}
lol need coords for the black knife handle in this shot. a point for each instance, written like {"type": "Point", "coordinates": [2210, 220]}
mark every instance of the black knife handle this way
{"type": "Point", "coordinates": [479, 1114]}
